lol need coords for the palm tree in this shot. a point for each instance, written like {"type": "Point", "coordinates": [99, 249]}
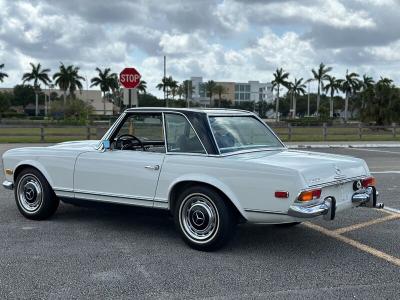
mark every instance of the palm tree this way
{"type": "Point", "coordinates": [219, 89]}
{"type": "Point", "coordinates": [142, 87]}
{"type": "Point", "coordinates": [209, 88]}
{"type": "Point", "coordinates": [75, 80]}
{"type": "Point", "coordinates": [37, 75]}
{"type": "Point", "coordinates": [166, 84]}
{"type": "Point", "coordinates": [367, 83]}
{"type": "Point", "coordinates": [173, 85]}
{"type": "Point", "coordinates": [280, 78]}
{"type": "Point", "coordinates": [2, 74]}
{"type": "Point", "coordinates": [296, 88]}
{"type": "Point", "coordinates": [333, 87]}
{"type": "Point", "coordinates": [320, 75]}
{"type": "Point", "coordinates": [106, 81]}
{"type": "Point", "coordinates": [349, 86]}
{"type": "Point", "coordinates": [61, 78]}
{"type": "Point", "coordinates": [181, 91]}
{"type": "Point", "coordinates": [188, 89]}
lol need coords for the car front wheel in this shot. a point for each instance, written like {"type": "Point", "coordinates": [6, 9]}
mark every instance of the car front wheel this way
{"type": "Point", "coordinates": [34, 196]}
{"type": "Point", "coordinates": [204, 219]}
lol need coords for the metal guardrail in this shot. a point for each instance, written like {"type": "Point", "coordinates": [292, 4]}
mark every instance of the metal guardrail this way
{"type": "Point", "coordinates": [287, 132]}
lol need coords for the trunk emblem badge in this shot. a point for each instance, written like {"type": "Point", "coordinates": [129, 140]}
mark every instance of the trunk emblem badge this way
{"type": "Point", "coordinates": [339, 174]}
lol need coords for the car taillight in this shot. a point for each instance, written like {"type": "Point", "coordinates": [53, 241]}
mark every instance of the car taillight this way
{"type": "Point", "coordinates": [370, 181]}
{"type": "Point", "coordinates": [309, 195]}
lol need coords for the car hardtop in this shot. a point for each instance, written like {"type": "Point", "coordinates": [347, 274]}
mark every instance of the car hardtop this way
{"type": "Point", "coordinates": [191, 111]}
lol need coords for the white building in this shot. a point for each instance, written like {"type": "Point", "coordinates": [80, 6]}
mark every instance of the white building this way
{"type": "Point", "coordinates": [234, 92]}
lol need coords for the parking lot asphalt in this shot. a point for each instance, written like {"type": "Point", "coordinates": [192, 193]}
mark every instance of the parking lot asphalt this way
{"type": "Point", "coordinates": [125, 252]}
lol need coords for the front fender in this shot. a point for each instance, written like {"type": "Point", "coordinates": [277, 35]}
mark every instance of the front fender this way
{"type": "Point", "coordinates": [37, 165]}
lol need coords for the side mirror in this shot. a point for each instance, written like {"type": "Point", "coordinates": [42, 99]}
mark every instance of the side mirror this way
{"type": "Point", "coordinates": [106, 145]}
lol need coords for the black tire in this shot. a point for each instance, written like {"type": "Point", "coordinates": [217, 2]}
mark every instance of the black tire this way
{"type": "Point", "coordinates": [206, 222]}
{"type": "Point", "coordinates": [34, 196]}
{"type": "Point", "coordinates": [287, 225]}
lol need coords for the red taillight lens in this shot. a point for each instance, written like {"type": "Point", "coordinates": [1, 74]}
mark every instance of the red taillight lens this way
{"type": "Point", "coordinates": [281, 194]}
{"type": "Point", "coordinates": [309, 195]}
{"type": "Point", "coordinates": [370, 181]}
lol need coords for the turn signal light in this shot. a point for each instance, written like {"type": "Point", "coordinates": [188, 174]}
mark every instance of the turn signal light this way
{"type": "Point", "coordinates": [309, 195]}
{"type": "Point", "coordinates": [370, 181]}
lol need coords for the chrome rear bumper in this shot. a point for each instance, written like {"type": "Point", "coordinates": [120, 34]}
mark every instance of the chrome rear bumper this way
{"type": "Point", "coordinates": [8, 185]}
{"type": "Point", "coordinates": [327, 207]}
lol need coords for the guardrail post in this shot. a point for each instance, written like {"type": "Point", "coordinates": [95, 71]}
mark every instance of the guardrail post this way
{"type": "Point", "coordinates": [394, 130]}
{"type": "Point", "coordinates": [88, 132]}
{"type": "Point", "coordinates": [41, 133]}
{"type": "Point", "coordinates": [324, 131]}
{"type": "Point", "coordinates": [360, 131]}
{"type": "Point", "coordinates": [289, 132]}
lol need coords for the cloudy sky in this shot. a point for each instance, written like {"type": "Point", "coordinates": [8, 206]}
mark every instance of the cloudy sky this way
{"type": "Point", "coordinates": [225, 40]}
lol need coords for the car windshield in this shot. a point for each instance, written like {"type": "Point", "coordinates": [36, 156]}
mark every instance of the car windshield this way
{"type": "Point", "coordinates": [235, 133]}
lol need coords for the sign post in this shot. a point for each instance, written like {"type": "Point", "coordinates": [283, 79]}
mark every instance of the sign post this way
{"type": "Point", "coordinates": [130, 79]}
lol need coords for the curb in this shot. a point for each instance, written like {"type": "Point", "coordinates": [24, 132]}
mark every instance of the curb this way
{"type": "Point", "coordinates": [305, 146]}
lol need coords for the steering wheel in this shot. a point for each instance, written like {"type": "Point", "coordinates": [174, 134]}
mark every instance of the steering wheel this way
{"type": "Point", "coordinates": [128, 138]}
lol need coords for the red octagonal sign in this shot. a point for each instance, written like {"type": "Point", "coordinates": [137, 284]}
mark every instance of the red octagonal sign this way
{"type": "Point", "coordinates": [129, 78]}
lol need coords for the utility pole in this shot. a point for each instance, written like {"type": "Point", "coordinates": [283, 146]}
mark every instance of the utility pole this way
{"type": "Point", "coordinates": [308, 100]}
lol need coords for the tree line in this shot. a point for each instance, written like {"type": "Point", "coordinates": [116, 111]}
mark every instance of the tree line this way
{"type": "Point", "coordinates": [377, 101]}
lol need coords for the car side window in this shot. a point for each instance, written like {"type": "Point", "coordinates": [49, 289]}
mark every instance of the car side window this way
{"type": "Point", "coordinates": [141, 132]}
{"type": "Point", "coordinates": [180, 135]}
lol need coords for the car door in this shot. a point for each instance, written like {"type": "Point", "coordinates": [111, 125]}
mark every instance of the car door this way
{"type": "Point", "coordinates": [124, 175]}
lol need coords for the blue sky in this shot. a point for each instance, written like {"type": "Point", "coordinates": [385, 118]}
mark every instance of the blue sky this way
{"type": "Point", "coordinates": [225, 40]}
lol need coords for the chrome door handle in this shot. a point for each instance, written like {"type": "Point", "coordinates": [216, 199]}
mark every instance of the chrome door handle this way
{"type": "Point", "coordinates": [156, 167]}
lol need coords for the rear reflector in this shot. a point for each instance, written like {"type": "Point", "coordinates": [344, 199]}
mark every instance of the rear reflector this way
{"type": "Point", "coordinates": [370, 181]}
{"type": "Point", "coordinates": [281, 194]}
{"type": "Point", "coordinates": [309, 195]}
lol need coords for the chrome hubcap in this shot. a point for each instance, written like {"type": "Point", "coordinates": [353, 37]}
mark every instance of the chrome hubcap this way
{"type": "Point", "coordinates": [30, 193]}
{"type": "Point", "coordinates": [199, 218]}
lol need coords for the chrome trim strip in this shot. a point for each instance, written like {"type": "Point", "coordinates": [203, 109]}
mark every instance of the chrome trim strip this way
{"type": "Point", "coordinates": [62, 189]}
{"type": "Point", "coordinates": [8, 185]}
{"type": "Point", "coordinates": [113, 195]}
{"type": "Point", "coordinates": [336, 182]}
{"type": "Point", "coordinates": [110, 131]}
{"type": "Point", "coordinates": [264, 211]}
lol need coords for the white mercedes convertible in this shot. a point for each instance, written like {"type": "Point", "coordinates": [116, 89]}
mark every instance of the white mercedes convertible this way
{"type": "Point", "coordinates": [212, 169]}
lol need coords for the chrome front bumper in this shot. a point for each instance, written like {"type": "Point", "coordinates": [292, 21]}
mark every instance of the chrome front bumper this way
{"type": "Point", "coordinates": [327, 207]}
{"type": "Point", "coordinates": [8, 185]}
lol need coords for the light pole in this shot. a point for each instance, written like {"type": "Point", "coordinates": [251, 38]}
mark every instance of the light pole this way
{"type": "Point", "coordinates": [308, 100]}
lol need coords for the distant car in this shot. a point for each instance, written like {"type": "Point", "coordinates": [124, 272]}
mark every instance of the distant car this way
{"type": "Point", "coordinates": [210, 168]}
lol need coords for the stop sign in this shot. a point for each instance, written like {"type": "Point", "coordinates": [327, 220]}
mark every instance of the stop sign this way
{"type": "Point", "coordinates": [129, 78]}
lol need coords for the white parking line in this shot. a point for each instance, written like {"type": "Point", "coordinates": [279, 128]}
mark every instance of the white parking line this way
{"type": "Point", "coordinates": [373, 150]}
{"type": "Point", "coordinates": [394, 210]}
{"type": "Point", "coordinates": [360, 246]}
{"type": "Point", "coordinates": [386, 172]}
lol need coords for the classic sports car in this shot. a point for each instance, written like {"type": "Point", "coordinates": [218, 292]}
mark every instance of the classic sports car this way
{"type": "Point", "coordinates": [210, 168]}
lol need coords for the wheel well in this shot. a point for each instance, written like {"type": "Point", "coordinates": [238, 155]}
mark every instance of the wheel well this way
{"type": "Point", "coordinates": [177, 188]}
{"type": "Point", "coordinates": [19, 169]}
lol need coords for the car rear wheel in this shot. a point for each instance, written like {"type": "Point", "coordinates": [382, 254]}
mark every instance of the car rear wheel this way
{"type": "Point", "coordinates": [34, 196]}
{"type": "Point", "coordinates": [204, 219]}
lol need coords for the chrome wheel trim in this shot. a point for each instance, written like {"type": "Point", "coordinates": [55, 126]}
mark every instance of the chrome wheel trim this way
{"type": "Point", "coordinates": [30, 193]}
{"type": "Point", "coordinates": [199, 218]}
